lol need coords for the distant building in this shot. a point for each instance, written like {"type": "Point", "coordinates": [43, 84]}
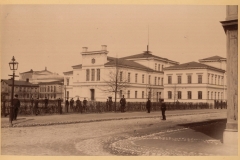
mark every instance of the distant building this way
{"type": "Point", "coordinates": [50, 84]}
{"type": "Point", "coordinates": [196, 82]}
{"type": "Point", "coordinates": [140, 75]}
{"type": "Point", "coordinates": [24, 89]}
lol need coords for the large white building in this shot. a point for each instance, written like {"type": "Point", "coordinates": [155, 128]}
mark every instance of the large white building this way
{"type": "Point", "coordinates": [196, 82]}
{"type": "Point", "coordinates": [138, 76]}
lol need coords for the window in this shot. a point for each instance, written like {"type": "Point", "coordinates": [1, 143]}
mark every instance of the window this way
{"type": "Point", "coordinates": [93, 75]}
{"type": "Point", "coordinates": [155, 66]}
{"type": "Point", "coordinates": [189, 79]}
{"type": "Point", "coordinates": [87, 75]}
{"type": "Point", "coordinates": [169, 94]}
{"type": "Point", "coordinates": [162, 82]}
{"type": "Point", "coordinates": [208, 95]}
{"type": "Point", "coordinates": [189, 94]}
{"type": "Point", "coordinates": [143, 78]}
{"type": "Point", "coordinates": [121, 73]}
{"type": "Point", "coordinates": [120, 93]}
{"type": "Point", "coordinates": [179, 79]}
{"type": "Point", "coordinates": [136, 76]}
{"type": "Point", "coordinates": [211, 95]}
{"type": "Point", "coordinates": [149, 79]}
{"type": "Point", "coordinates": [212, 79]}
{"type": "Point", "coordinates": [135, 94]}
{"type": "Point", "coordinates": [158, 80]}
{"type": "Point", "coordinates": [155, 81]}
{"type": "Point", "coordinates": [179, 95]}
{"type": "Point", "coordinates": [54, 89]}
{"type": "Point", "coordinates": [98, 74]}
{"type": "Point", "coordinates": [67, 94]}
{"type": "Point", "coordinates": [169, 79]}
{"type": "Point", "coordinates": [162, 67]}
{"type": "Point", "coordinates": [208, 78]}
{"type": "Point", "coordinates": [218, 95]}
{"type": "Point", "coordinates": [199, 78]}
{"type": "Point", "coordinates": [128, 95]}
{"type": "Point", "coordinates": [129, 77]}
{"type": "Point", "coordinates": [199, 94]}
{"type": "Point", "coordinates": [142, 94]}
{"type": "Point", "coordinates": [222, 80]}
{"type": "Point", "coordinates": [215, 79]}
{"type": "Point", "coordinates": [158, 67]}
{"type": "Point", "coordinates": [218, 80]}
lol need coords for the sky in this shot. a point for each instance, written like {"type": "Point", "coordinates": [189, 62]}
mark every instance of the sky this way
{"type": "Point", "coordinates": [52, 36]}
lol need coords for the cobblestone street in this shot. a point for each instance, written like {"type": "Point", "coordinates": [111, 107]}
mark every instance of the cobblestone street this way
{"type": "Point", "coordinates": [189, 134]}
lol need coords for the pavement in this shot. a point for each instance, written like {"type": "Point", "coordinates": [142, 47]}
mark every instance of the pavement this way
{"type": "Point", "coordinates": [197, 138]}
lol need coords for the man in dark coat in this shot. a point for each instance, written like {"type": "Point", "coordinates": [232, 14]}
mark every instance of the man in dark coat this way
{"type": "Point", "coordinates": [66, 105]}
{"type": "Point", "coordinates": [59, 105]}
{"type": "Point", "coordinates": [123, 103]}
{"type": "Point", "coordinates": [148, 105]}
{"type": "Point", "coordinates": [85, 104]}
{"type": "Point", "coordinates": [71, 104]}
{"type": "Point", "coordinates": [79, 105]}
{"type": "Point", "coordinates": [163, 108]}
{"type": "Point", "coordinates": [16, 106]}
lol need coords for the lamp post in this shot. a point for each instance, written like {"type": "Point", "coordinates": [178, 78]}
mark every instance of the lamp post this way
{"type": "Point", "coordinates": [13, 66]}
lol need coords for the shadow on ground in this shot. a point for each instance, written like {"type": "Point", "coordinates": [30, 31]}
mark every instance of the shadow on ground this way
{"type": "Point", "coordinates": [211, 128]}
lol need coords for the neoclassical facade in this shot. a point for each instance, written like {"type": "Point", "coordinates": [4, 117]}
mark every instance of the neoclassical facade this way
{"type": "Point", "coordinates": [137, 77]}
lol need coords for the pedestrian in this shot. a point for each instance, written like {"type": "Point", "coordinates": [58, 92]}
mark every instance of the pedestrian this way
{"type": "Point", "coordinates": [148, 105]}
{"type": "Point", "coordinates": [85, 105]}
{"type": "Point", "coordinates": [66, 105]}
{"type": "Point", "coordinates": [59, 105]}
{"type": "Point", "coordinates": [163, 108]}
{"type": "Point", "coordinates": [78, 105]}
{"type": "Point", "coordinates": [123, 103]}
{"type": "Point", "coordinates": [16, 106]}
{"type": "Point", "coordinates": [71, 104]}
{"type": "Point", "coordinates": [107, 105]}
{"type": "Point", "coordinates": [36, 112]}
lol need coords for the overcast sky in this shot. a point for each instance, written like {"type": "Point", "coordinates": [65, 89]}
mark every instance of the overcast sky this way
{"type": "Point", "coordinates": [52, 36]}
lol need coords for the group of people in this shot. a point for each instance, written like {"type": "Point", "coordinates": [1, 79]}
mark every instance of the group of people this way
{"type": "Point", "coordinates": [163, 107]}
{"type": "Point", "coordinates": [78, 107]}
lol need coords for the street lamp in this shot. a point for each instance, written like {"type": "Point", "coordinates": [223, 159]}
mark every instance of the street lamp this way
{"type": "Point", "coordinates": [13, 66]}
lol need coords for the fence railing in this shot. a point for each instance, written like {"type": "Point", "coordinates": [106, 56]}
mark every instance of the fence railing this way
{"type": "Point", "coordinates": [28, 107]}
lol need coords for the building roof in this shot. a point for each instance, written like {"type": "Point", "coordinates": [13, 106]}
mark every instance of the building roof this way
{"type": "Point", "coordinates": [37, 72]}
{"type": "Point", "coordinates": [213, 58]}
{"type": "Point", "coordinates": [79, 66]}
{"type": "Point", "coordinates": [147, 54]}
{"type": "Point", "coordinates": [19, 83]}
{"type": "Point", "coordinates": [126, 63]}
{"type": "Point", "coordinates": [192, 65]}
{"type": "Point", "coordinates": [68, 72]}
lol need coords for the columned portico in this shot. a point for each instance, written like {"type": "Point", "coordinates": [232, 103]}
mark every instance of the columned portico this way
{"type": "Point", "coordinates": [230, 135]}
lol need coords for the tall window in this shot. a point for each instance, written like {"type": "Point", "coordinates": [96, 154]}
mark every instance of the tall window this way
{"type": "Point", "coordinates": [143, 78]}
{"type": "Point", "coordinates": [211, 95]}
{"type": "Point", "coordinates": [93, 74]}
{"type": "Point", "coordinates": [179, 79]}
{"type": "Point", "coordinates": [158, 80]}
{"type": "Point", "coordinates": [158, 67]}
{"type": "Point", "coordinates": [128, 95]}
{"type": "Point", "coordinates": [179, 95]}
{"type": "Point", "coordinates": [199, 78]}
{"type": "Point", "coordinates": [129, 77]}
{"type": "Point", "coordinates": [189, 94]}
{"type": "Point", "coordinates": [149, 79]}
{"type": "Point", "coordinates": [218, 95]}
{"type": "Point", "coordinates": [162, 82]}
{"type": "Point", "coordinates": [136, 76]}
{"type": "Point", "coordinates": [135, 94]}
{"type": "Point", "coordinates": [215, 79]}
{"type": "Point", "coordinates": [155, 66]}
{"type": "Point", "coordinates": [67, 81]}
{"type": "Point", "coordinates": [98, 74]}
{"type": "Point", "coordinates": [162, 67]}
{"type": "Point", "coordinates": [189, 79]}
{"type": "Point", "coordinates": [218, 80]}
{"type": "Point", "coordinates": [222, 80]}
{"type": "Point", "coordinates": [199, 94]}
{"type": "Point", "coordinates": [212, 79]}
{"type": "Point", "coordinates": [87, 75]}
{"type": "Point", "coordinates": [121, 73]}
{"type": "Point", "coordinates": [142, 94]}
{"type": "Point", "coordinates": [208, 78]}
{"type": "Point", "coordinates": [155, 81]}
{"type": "Point", "coordinates": [54, 90]}
{"type": "Point", "coordinates": [169, 79]}
{"type": "Point", "coordinates": [208, 95]}
{"type": "Point", "coordinates": [169, 94]}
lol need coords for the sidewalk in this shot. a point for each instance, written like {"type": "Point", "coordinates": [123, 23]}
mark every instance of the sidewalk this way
{"type": "Point", "coordinates": [69, 118]}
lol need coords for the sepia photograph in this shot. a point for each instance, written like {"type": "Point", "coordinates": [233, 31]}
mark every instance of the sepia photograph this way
{"type": "Point", "coordinates": [119, 80]}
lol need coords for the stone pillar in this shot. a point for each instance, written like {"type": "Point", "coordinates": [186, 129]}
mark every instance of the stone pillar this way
{"type": "Point", "coordinates": [230, 25]}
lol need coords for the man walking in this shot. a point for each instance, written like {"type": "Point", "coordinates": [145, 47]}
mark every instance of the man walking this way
{"type": "Point", "coordinates": [123, 103]}
{"type": "Point", "coordinates": [148, 105]}
{"type": "Point", "coordinates": [66, 105]}
{"type": "Point", "coordinates": [16, 106]}
{"type": "Point", "coordinates": [163, 108]}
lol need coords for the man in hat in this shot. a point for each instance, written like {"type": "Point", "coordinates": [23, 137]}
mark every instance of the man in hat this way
{"type": "Point", "coordinates": [16, 106]}
{"type": "Point", "coordinates": [71, 104]}
{"type": "Point", "coordinates": [163, 108]}
{"type": "Point", "coordinates": [123, 103]}
{"type": "Point", "coordinates": [148, 105]}
{"type": "Point", "coordinates": [66, 105]}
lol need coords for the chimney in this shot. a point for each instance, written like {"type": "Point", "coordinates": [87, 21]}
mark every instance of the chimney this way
{"type": "Point", "coordinates": [84, 49]}
{"type": "Point", "coordinates": [104, 47]}
{"type": "Point", "coordinates": [27, 80]}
